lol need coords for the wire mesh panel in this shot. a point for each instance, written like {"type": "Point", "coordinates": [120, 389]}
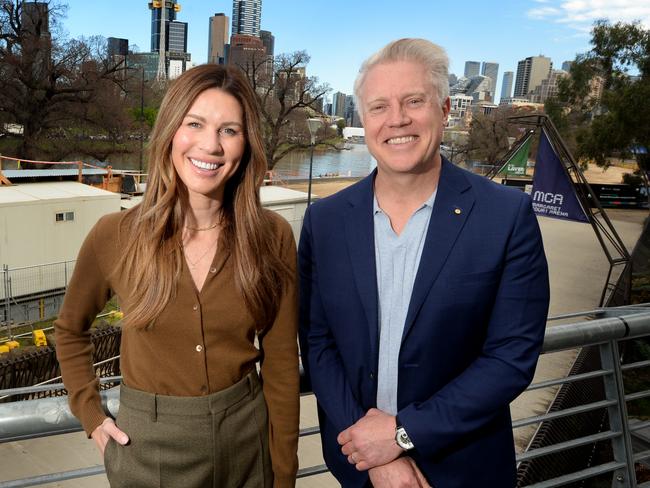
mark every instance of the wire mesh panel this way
{"type": "Point", "coordinates": [33, 293]}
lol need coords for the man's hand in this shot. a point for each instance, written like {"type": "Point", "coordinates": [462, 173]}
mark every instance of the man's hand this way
{"type": "Point", "coordinates": [106, 430]}
{"type": "Point", "coordinates": [371, 441]}
{"type": "Point", "coordinates": [400, 473]}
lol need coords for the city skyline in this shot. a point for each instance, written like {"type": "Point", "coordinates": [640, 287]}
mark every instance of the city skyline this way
{"type": "Point", "coordinates": [558, 29]}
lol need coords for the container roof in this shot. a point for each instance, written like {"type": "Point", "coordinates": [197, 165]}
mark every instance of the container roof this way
{"type": "Point", "coordinates": [272, 194]}
{"type": "Point", "coordinates": [13, 174]}
{"type": "Point", "coordinates": [54, 190]}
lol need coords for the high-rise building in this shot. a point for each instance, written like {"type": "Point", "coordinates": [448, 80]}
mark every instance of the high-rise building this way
{"type": "Point", "coordinates": [491, 70]}
{"type": "Point", "coordinates": [479, 88]}
{"type": "Point", "coordinates": [338, 104]}
{"type": "Point", "coordinates": [566, 66]}
{"type": "Point", "coordinates": [218, 38]}
{"type": "Point", "coordinates": [249, 53]}
{"type": "Point", "coordinates": [117, 46]}
{"type": "Point", "coordinates": [268, 39]}
{"type": "Point", "coordinates": [506, 86]}
{"type": "Point", "coordinates": [349, 110]}
{"type": "Point", "coordinates": [548, 87]}
{"type": "Point", "coordinates": [175, 36]}
{"type": "Point", "coordinates": [148, 62]}
{"type": "Point", "coordinates": [472, 68]}
{"type": "Point", "coordinates": [246, 17]}
{"type": "Point", "coordinates": [530, 73]}
{"type": "Point", "coordinates": [156, 12]}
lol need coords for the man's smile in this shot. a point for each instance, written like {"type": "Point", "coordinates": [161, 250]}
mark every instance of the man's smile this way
{"type": "Point", "coordinates": [401, 140]}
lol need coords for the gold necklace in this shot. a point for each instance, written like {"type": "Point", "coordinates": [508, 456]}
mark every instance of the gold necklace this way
{"type": "Point", "coordinates": [199, 229]}
{"type": "Point", "coordinates": [194, 264]}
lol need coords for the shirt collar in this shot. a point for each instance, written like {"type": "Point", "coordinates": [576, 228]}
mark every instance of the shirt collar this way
{"type": "Point", "coordinates": [428, 203]}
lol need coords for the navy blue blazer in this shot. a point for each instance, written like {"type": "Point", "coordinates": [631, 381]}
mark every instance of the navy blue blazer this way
{"type": "Point", "coordinates": [473, 332]}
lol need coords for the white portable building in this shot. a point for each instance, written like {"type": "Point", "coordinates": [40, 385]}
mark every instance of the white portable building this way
{"type": "Point", "coordinates": [45, 223]}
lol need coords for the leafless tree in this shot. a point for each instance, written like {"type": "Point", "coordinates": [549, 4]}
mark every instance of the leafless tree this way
{"type": "Point", "coordinates": [47, 80]}
{"type": "Point", "coordinates": [287, 97]}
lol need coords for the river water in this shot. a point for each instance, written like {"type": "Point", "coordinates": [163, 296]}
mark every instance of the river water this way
{"type": "Point", "coordinates": [355, 161]}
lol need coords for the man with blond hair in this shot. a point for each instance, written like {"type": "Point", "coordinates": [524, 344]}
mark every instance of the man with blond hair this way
{"type": "Point", "coordinates": [424, 293]}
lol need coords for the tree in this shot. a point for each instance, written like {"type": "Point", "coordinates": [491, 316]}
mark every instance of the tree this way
{"type": "Point", "coordinates": [489, 134]}
{"type": "Point", "coordinates": [49, 82]}
{"type": "Point", "coordinates": [488, 137]}
{"type": "Point", "coordinates": [340, 125]}
{"type": "Point", "coordinates": [287, 97]}
{"type": "Point", "coordinates": [605, 104]}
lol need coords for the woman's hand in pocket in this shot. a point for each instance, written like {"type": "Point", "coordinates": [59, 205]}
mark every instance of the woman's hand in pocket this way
{"type": "Point", "coordinates": [105, 431]}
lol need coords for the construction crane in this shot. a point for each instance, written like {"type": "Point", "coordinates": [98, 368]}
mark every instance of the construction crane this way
{"type": "Point", "coordinates": [161, 75]}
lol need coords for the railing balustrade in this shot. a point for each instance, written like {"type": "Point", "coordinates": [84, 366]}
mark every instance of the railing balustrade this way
{"type": "Point", "coordinates": [607, 329]}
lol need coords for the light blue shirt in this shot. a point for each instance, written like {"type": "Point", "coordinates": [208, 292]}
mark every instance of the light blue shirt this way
{"type": "Point", "coordinates": [398, 259]}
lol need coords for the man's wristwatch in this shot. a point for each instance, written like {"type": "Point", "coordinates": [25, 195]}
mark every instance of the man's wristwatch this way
{"type": "Point", "coordinates": [402, 438]}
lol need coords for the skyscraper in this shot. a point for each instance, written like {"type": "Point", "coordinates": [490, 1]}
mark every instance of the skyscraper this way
{"type": "Point", "coordinates": [548, 87]}
{"type": "Point", "coordinates": [117, 46]}
{"type": "Point", "coordinates": [530, 73]}
{"type": "Point", "coordinates": [218, 38]}
{"type": "Point", "coordinates": [472, 68]}
{"type": "Point", "coordinates": [268, 39]}
{"type": "Point", "coordinates": [175, 37]}
{"type": "Point", "coordinates": [246, 16]}
{"type": "Point", "coordinates": [248, 52]}
{"type": "Point", "coordinates": [491, 70]}
{"type": "Point", "coordinates": [156, 13]}
{"type": "Point", "coordinates": [506, 86]}
{"type": "Point", "coordinates": [338, 104]}
{"type": "Point", "coordinates": [566, 66]}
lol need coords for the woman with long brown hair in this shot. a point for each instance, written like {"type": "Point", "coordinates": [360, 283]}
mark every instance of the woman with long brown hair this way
{"type": "Point", "coordinates": [201, 271]}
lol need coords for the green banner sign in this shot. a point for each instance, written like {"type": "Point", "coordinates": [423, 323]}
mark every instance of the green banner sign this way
{"type": "Point", "coordinates": [516, 166]}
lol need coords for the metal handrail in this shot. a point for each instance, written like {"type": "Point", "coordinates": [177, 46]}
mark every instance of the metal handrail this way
{"type": "Point", "coordinates": [26, 419]}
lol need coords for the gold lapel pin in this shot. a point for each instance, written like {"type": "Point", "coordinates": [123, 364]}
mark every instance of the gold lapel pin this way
{"type": "Point", "coordinates": [458, 211]}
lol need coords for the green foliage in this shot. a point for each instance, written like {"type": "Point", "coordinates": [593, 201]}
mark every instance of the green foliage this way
{"type": "Point", "coordinates": [604, 106]}
{"type": "Point", "coordinates": [340, 125]}
{"type": "Point", "coordinates": [149, 115]}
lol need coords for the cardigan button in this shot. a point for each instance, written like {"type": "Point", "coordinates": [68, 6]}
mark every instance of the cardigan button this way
{"type": "Point", "coordinates": [195, 307]}
{"type": "Point", "coordinates": [213, 270]}
{"type": "Point", "coordinates": [199, 348]}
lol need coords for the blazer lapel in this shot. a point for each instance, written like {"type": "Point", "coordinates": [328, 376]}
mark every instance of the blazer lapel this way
{"type": "Point", "coordinates": [451, 208]}
{"type": "Point", "coordinates": [360, 239]}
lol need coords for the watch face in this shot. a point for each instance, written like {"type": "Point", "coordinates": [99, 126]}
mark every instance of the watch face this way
{"type": "Point", "coordinates": [403, 440]}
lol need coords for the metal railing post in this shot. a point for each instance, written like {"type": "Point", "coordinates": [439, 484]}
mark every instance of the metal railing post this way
{"type": "Point", "coordinates": [9, 298]}
{"type": "Point", "coordinates": [617, 413]}
{"type": "Point", "coordinates": [5, 283]}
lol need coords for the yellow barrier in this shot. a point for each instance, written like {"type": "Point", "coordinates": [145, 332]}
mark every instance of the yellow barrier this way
{"type": "Point", "coordinates": [39, 338]}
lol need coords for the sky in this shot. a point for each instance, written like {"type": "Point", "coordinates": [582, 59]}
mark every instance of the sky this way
{"type": "Point", "coordinates": [340, 34]}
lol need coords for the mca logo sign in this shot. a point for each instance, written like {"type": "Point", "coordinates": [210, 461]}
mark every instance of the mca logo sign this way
{"type": "Point", "coordinates": [548, 197]}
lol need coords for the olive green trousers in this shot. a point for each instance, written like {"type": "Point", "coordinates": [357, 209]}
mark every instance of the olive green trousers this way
{"type": "Point", "coordinates": [219, 440]}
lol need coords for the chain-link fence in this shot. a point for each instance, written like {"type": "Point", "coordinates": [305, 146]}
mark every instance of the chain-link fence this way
{"type": "Point", "coordinates": [33, 293]}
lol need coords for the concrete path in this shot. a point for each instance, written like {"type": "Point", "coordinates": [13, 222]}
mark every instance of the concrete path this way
{"type": "Point", "coordinates": [577, 271]}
